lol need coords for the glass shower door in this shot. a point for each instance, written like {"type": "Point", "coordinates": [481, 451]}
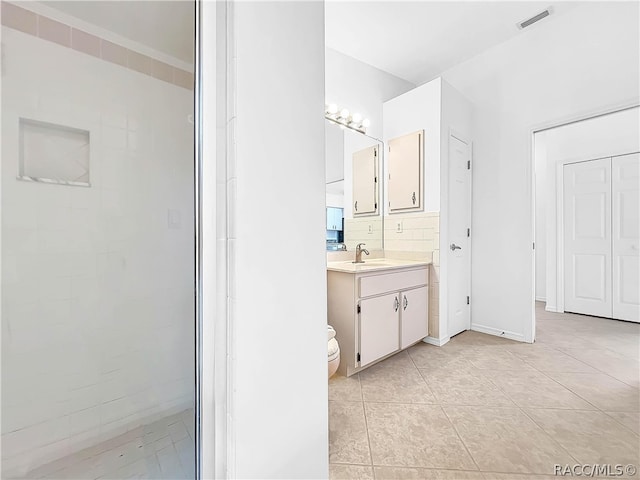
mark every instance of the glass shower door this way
{"type": "Point", "coordinates": [97, 240]}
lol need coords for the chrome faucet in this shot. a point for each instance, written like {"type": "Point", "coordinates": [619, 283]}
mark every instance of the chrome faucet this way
{"type": "Point", "coordinates": [359, 252]}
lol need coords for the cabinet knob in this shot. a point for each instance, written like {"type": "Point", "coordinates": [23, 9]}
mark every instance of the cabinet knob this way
{"type": "Point", "coordinates": [413, 198]}
{"type": "Point", "coordinates": [406, 303]}
{"type": "Point", "coordinates": [396, 304]}
{"type": "Point", "coordinates": [355, 206]}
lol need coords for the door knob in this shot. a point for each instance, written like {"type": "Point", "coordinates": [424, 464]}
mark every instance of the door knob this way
{"type": "Point", "coordinates": [454, 247]}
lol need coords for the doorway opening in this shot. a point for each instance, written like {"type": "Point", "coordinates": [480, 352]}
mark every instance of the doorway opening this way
{"type": "Point", "coordinates": [586, 218]}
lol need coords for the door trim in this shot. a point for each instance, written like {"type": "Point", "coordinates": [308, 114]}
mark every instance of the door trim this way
{"type": "Point", "coordinates": [626, 104]}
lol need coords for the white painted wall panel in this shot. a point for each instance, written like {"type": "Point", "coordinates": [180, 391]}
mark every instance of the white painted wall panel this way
{"type": "Point", "coordinates": [278, 336]}
{"type": "Point", "coordinates": [559, 69]}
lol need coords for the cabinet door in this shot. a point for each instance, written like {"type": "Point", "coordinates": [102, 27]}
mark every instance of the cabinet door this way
{"type": "Point", "coordinates": [405, 172]}
{"type": "Point", "coordinates": [379, 327]}
{"type": "Point", "coordinates": [334, 218]}
{"type": "Point", "coordinates": [414, 315]}
{"type": "Point", "coordinates": [365, 181]}
{"type": "Point", "coordinates": [329, 218]}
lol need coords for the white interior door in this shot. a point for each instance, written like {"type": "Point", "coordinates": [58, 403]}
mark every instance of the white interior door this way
{"type": "Point", "coordinates": [458, 251]}
{"type": "Point", "coordinates": [625, 174]}
{"type": "Point", "coordinates": [587, 237]}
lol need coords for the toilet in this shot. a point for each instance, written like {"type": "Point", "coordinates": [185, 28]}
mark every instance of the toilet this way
{"type": "Point", "coordinates": [334, 352]}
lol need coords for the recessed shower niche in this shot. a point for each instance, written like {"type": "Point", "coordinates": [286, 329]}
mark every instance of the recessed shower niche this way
{"type": "Point", "coordinates": [53, 153]}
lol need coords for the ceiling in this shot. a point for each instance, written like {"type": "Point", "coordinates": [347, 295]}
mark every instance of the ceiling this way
{"type": "Point", "coordinates": [419, 40]}
{"type": "Point", "coordinates": [165, 26]}
{"type": "Point", "coordinates": [414, 40]}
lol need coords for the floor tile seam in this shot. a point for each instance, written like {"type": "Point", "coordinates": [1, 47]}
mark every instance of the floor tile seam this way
{"type": "Point", "coordinates": [575, 393]}
{"type": "Point", "coordinates": [549, 436]}
{"type": "Point", "coordinates": [433, 395]}
{"type": "Point", "coordinates": [444, 403]}
{"type": "Point", "coordinates": [404, 402]}
{"type": "Point", "coordinates": [599, 370]}
{"type": "Point", "coordinates": [563, 386]}
{"type": "Point", "coordinates": [620, 423]}
{"type": "Point", "coordinates": [454, 470]}
{"type": "Point", "coordinates": [97, 455]}
{"type": "Point", "coordinates": [366, 427]}
{"type": "Point", "coordinates": [460, 438]}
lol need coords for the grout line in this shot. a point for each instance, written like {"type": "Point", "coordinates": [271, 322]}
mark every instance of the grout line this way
{"type": "Point", "coordinates": [460, 438]}
{"type": "Point", "coordinates": [549, 435]}
{"type": "Point", "coordinates": [620, 423]}
{"type": "Point", "coordinates": [366, 426]}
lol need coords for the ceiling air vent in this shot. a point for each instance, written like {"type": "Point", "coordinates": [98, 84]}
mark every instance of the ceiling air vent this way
{"type": "Point", "coordinates": [534, 19]}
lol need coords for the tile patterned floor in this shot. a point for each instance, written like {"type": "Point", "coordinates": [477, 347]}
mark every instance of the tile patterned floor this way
{"type": "Point", "coordinates": [161, 450]}
{"type": "Point", "coordinates": [484, 407]}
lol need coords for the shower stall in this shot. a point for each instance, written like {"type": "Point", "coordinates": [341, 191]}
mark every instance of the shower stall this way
{"type": "Point", "coordinates": [98, 253]}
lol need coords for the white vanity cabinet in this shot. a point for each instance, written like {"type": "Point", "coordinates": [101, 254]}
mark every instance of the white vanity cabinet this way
{"type": "Point", "coordinates": [376, 311]}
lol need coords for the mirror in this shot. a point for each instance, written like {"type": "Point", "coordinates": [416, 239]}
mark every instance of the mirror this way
{"type": "Point", "coordinates": [354, 201]}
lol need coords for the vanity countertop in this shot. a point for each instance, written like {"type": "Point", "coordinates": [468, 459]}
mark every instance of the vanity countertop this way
{"type": "Point", "coordinates": [375, 264]}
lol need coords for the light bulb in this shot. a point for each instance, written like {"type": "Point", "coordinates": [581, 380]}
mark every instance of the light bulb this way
{"type": "Point", "coordinates": [332, 108]}
{"type": "Point", "coordinates": [366, 123]}
{"type": "Point", "coordinates": [344, 113]}
{"type": "Point", "coordinates": [357, 118]}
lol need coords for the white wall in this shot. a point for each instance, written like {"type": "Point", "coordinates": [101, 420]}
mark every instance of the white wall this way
{"type": "Point", "coordinates": [540, 165]}
{"type": "Point", "coordinates": [566, 66]}
{"type": "Point", "coordinates": [97, 307]}
{"type": "Point", "coordinates": [334, 152]}
{"type": "Point", "coordinates": [604, 136]}
{"type": "Point", "coordinates": [278, 336]}
{"type": "Point", "coordinates": [361, 88]}
{"type": "Point", "coordinates": [419, 109]}
{"type": "Point", "coordinates": [437, 108]}
{"type": "Point", "coordinates": [456, 117]}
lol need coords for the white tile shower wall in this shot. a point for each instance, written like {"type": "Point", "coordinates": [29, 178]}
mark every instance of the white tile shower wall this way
{"type": "Point", "coordinates": [97, 306]}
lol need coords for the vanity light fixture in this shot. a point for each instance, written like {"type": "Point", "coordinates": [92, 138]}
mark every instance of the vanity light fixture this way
{"type": "Point", "coordinates": [344, 118]}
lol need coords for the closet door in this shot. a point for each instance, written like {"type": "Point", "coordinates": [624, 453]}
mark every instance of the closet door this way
{"type": "Point", "coordinates": [587, 238]}
{"type": "Point", "coordinates": [626, 245]}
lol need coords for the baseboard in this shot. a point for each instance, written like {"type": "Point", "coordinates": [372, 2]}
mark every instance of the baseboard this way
{"type": "Point", "coordinates": [438, 342]}
{"type": "Point", "coordinates": [551, 308]}
{"type": "Point", "coordinates": [21, 464]}
{"type": "Point", "coordinates": [497, 332]}
{"type": "Point", "coordinates": [541, 299]}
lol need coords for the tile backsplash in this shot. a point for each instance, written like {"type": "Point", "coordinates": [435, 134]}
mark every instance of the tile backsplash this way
{"type": "Point", "coordinates": [416, 236]}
